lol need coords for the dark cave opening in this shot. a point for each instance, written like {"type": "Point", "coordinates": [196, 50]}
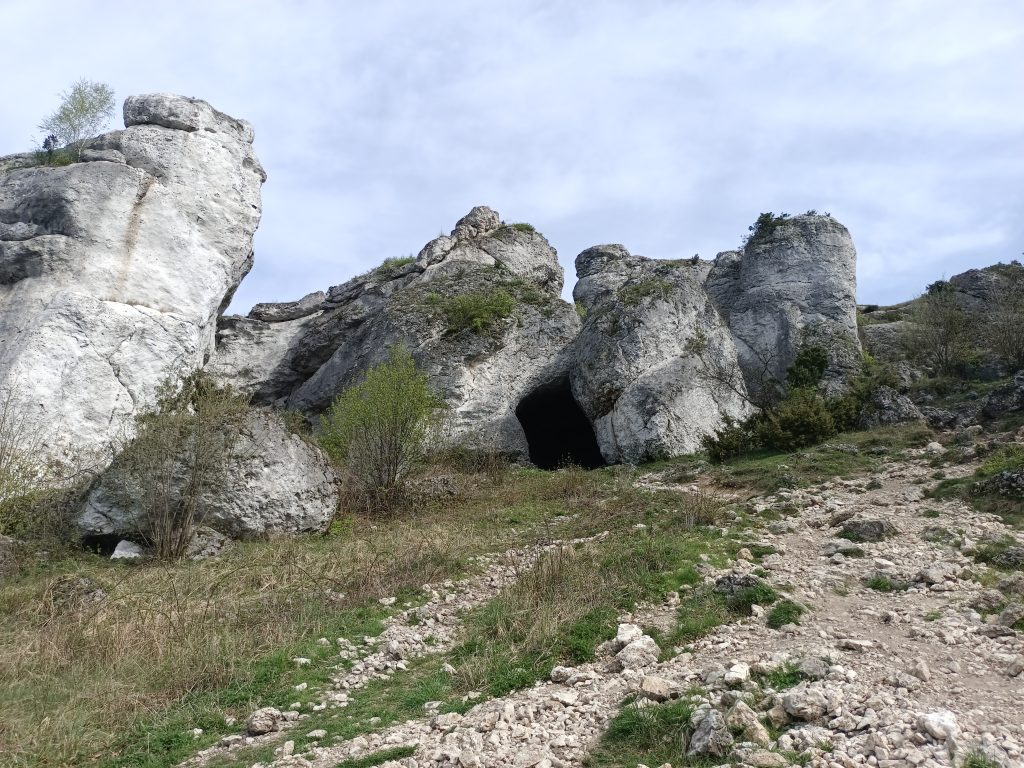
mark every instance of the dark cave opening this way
{"type": "Point", "coordinates": [557, 430]}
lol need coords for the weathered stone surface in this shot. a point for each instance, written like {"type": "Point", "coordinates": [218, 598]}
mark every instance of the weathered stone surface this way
{"type": "Point", "coordinates": [887, 407]}
{"type": "Point", "coordinates": [655, 367]}
{"type": "Point", "coordinates": [291, 310]}
{"type": "Point", "coordinates": [112, 273]}
{"type": "Point", "coordinates": [796, 285]}
{"type": "Point", "coordinates": [280, 484]}
{"type": "Point", "coordinates": [482, 374]}
{"type": "Point", "coordinates": [1005, 400]}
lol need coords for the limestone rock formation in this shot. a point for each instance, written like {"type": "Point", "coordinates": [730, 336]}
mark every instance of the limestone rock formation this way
{"type": "Point", "coordinates": [113, 270]}
{"type": "Point", "coordinates": [280, 484]}
{"type": "Point", "coordinates": [479, 309]}
{"type": "Point", "coordinates": [793, 284]}
{"type": "Point", "coordinates": [654, 365]}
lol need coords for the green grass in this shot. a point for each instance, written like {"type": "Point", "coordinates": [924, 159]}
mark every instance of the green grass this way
{"type": "Point", "coordinates": [393, 699]}
{"type": "Point", "coordinates": [632, 294]}
{"type": "Point", "coordinates": [882, 583]}
{"type": "Point", "coordinates": [395, 753]}
{"type": "Point", "coordinates": [993, 553]}
{"type": "Point", "coordinates": [785, 612]}
{"type": "Point", "coordinates": [651, 735]}
{"type": "Point", "coordinates": [560, 610]}
{"type": "Point", "coordinates": [978, 760]}
{"type": "Point", "coordinates": [784, 677]}
{"type": "Point", "coordinates": [476, 312]}
{"type": "Point", "coordinates": [389, 268]}
{"type": "Point", "coordinates": [769, 471]}
{"type": "Point", "coordinates": [519, 226]}
{"type": "Point", "coordinates": [974, 491]}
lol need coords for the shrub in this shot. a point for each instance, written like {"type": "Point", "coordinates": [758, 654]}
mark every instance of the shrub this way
{"type": "Point", "coordinates": [22, 474]}
{"type": "Point", "coordinates": [940, 334]}
{"type": "Point", "coordinates": [808, 367]}
{"type": "Point", "coordinates": [389, 267]}
{"type": "Point", "coordinates": [785, 612]}
{"type": "Point", "coordinates": [800, 420]}
{"type": "Point", "coordinates": [1003, 327]}
{"type": "Point", "coordinates": [765, 225]}
{"type": "Point", "coordinates": [378, 428]}
{"type": "Point", "coordinates": [733, 438]}
{"type": "Point", "coordinates": [477, 312]}
{"type": "Point", "coordinates": [183, 449]}
{"type": "Point", "coordinates": [632, 294]}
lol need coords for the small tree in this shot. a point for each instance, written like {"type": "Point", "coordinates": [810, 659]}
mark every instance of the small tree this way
{"type": "Point", "coordinates": [940, 334]}
{"type": "Point", "coordinates": [379, 427]}
{"type": "Point", "coordinates": [84, 110]}
{"type": "Point", "coordinates": [183, 449]}
{"type": "Point", "coordinates": [22, 473]}
{"type": "Point", "coordinates": [1004, 320]}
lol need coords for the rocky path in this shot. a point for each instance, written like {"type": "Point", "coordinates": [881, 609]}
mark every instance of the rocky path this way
{"type": "Point", "coordinates": [921, 676]}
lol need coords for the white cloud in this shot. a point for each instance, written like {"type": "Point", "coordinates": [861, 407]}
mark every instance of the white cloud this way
{"type": "Point", "coordinates": [663, 125]}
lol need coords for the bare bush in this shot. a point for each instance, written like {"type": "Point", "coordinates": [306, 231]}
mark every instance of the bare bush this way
{"type": "Point", "coordinates": [940, 334]}
{"type": "Point", "coordinates": [1004, 321]}
{"type": "Point", "coordinates": [183, 449]}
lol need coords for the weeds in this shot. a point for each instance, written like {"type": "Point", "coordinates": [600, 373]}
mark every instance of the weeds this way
{"type": "Point", "coordinates": [785, 612]}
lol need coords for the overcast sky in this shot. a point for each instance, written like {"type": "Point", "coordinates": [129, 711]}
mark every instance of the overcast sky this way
{"type": "Point", "coordinates": [665, 126]}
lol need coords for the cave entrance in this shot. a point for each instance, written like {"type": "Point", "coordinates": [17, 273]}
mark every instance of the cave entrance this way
{"type": "Point", "coordinates": [557, 430]}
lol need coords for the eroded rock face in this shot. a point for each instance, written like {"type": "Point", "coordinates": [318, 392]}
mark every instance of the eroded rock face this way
{"type": "Point", "coordinates": [795, 285]}
{"type": "Point", "coordinates": [113, 270]}
{"type": "Point", "coordinates": [302, 358]}
{"type": "Point", "coordinates": [280, 483]}
{"type": "Point", "coordinates": [655, 367]}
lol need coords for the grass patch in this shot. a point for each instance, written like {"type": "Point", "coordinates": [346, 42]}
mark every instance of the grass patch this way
{"type": "Point", "coordinates": [174, 647]}
{"type": "Point", "coordinates": [768, 471]}
{"type": "Point", "coordinates": [981, 490]}
{"type": "Point", "coordinates": [979, 760]}
{"type": "Point", "coordinates": [783, 678]}
{"type": "Point", "coordinates": [999, 553]}
{"type": "Point", "coordinates": [563, 608]}
{"type": "Point", "coordinates": [390, 268]}
{"type": "Point", "coordinates": [652, 735]}
{"type": "Point", "coordinates": [785, 612]}
{"type": "Point", "coordinates": [477, 312]}
{"type": "Point", "coordinates": [396, 753]}
{"type": "Point", "coordinates": [632, 294]}
{"type": "Point", "coordinates": [882, 583]}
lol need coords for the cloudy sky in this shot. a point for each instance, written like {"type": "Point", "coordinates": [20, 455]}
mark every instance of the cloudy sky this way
{"type": "Point", "coordinates": [666, 126]}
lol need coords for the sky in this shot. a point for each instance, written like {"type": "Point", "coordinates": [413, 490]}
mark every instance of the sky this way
{"type": "Point", "coordinates": [665, 126]}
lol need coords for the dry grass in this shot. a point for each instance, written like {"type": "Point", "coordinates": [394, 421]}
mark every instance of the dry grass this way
{"type": "Point", "coordinates": [106, 663]}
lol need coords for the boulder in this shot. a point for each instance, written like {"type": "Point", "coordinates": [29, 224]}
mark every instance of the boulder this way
{"type": "Point", "coordinates": [280, 483]}
{"type": "Point", "coordinates": [791, 286]}
{"type": "Point", "coordinates": [480, 310]}
{"type": "Point", "coordinates": [655, 368]}
{"type": "Point", "coordinates": [127, 550]}
{"type": "Point", "coordinates": [710, 736]}
{"type": "Point", "coordinates": [887, 407]}
{"type": "Point", "coordinates": [1005, 400]}
{"type": "Point", "coordinates": [113, 270]}
{"type": "Point", "coordinates": [873, 530]}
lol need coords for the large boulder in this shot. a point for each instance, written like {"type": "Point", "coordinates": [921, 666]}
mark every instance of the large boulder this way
{"type": "Point", "coordinates": [479, 309]}
{"type": "Point", "coordinates": [113, 270]}
{"type": "Point", "coordinates": [792, 285]}
{"type": "Point", "coordinates": [279, 483]}
{"type": "Point", "coordinates": [655, 367]}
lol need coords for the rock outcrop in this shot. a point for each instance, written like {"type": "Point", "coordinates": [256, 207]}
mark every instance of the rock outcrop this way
{"type": "Point", "coordinates": [480, 311]}
{"type": "Point", "coordinates": [280, 483]}
{"type": "Point", "coordinates": [795, 284]}
{"type": "Point", "coordinates": [113, 270]}
{"type": "Point", "coordinates": [655, 367]}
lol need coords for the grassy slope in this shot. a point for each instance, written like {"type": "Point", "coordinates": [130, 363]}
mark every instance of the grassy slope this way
{"type": "Point", "coordinates": [123, 681]}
